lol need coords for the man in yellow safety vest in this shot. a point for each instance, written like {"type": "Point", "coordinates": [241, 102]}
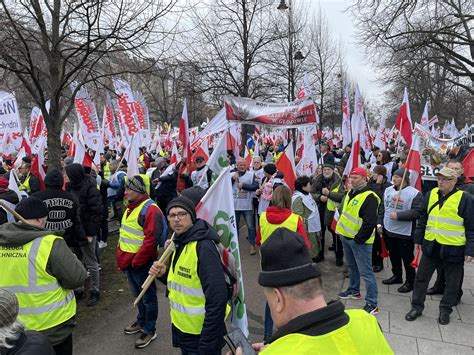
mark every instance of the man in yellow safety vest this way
{"type": "Point", "coordinates": [445, 233]}
{"type": "Point", "coordinates": [37, 265]}
{"type": "Point", "coordinates": [306, 323]}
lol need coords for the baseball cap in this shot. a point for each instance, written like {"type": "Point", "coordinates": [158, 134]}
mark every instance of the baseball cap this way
{"type": "Point", "coordinates": [359, 171]}
{"type": "Point", "coordinates": [448, 173]}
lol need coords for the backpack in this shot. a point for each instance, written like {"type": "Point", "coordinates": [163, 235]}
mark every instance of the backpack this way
{"type": "Point", "coordinates": [229, 265]}
{"type": "Point", "coordinates": [160, 240]}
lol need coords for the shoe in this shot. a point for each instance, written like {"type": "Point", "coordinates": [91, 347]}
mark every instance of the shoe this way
{"type": "Point", "coordinates": [443, 318]}
{"type": "Point", "coordinates": [133, 328]}
{"type": "Point", "coordinates": [93, 298]}
{"type": "Point", "coordinates": [434, 291]}
{"type": "Point", "coordinates": [348, 295]}
{"type": "Point", "coordinates": [102, 244]}
{"type": "Point", "coordinates": [371, 309]}
{"type": "Point", "coordinates": [339, 262]}
{"type": "Point", "coordinates": [145, 340]}
{"type": "Point", "coordinates": [412, 315]}
{"type": "Point", "coordinates": [377, 268]}
{"type": "Point", "coordinates": [393, 280]}
{"type": "Point", "coordinates": [406, 287]}
{"type": "Point", "coordinates": [332, 248]}
{"type": "Point", "coordinates": [252, 250]}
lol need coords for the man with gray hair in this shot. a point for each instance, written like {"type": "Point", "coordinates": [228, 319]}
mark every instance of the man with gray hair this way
{"type": "Point", "coordinates": [14, 339]}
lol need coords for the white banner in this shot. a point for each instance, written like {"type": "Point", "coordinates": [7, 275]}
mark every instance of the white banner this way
{"type": "Point", "coordinates": [125, 101]}
{"type": "Point", "coordinates": [10, 118]}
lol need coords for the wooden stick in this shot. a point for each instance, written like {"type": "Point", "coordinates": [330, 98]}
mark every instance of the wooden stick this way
{"type": "Point", "coordinates": [151, 278]}
{"type": "Point", "coordinates": [13, 212]}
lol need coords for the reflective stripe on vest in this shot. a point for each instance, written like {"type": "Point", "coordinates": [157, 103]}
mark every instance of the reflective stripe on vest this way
{"type": "Point", "coordinates": [266, 228]}
{"type": "Point", "coordinates": [106, 170]}
{"type": "Point", "coordinates": [362, 335]}
{"type": "Point", "coordinates": [131, 232]}
{"type": "Point", "coordinates": [186, 296]}
{"type": "Point", "coordinates": [444, 224]}
{"type": "Point", "coordinates": [43, 302]}
{"type": "Point", "coordinates": [331, 205]}
{"type": "Point", "coordinates": [349, 222]}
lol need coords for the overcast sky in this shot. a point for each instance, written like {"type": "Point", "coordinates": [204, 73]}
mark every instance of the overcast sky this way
{"type": "Point", "coordinates": [342, 27]}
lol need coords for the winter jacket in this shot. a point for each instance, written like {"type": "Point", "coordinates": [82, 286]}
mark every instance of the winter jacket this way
{"type": "Point", "coordinates": [30, 342]}
{"type": "Point", "coordinates": [277, 215]}
{"type": "Point", "coordinates": [64, 214]}
{"type": "Point", "coordinates": [317, 184]}
{"type": "Point", "coordinates": [211, 274]}
{"type": "Point", "coordinates": [33, 182]}
{"type": "Point", "coordinates": [62, 264]}
{"type": "Point", "coordinates": [449, 253]}
{"type": "Point", "coordinates": [9, 196]}
{"type": "Point", "coordinates": [379, 189]}
{"type": "Point", "coordinates": [152, 224]}
{"type": "Point", "coordinates": [368, 213]}
{"type": "Point", "coordinates": [167, 188]}
{"type": "Point", "coordinates": [84, 187]}
{"type": "Point", "coordinates": [462, 185]}
{"type": "Point", "coordinates": [410, 215]}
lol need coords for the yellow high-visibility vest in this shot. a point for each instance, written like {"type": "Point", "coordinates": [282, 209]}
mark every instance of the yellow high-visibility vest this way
{"type": "Point", "coordinates": [186, 296]}
{"type": "Point", "coordinates": [131, 232]}
{"type": "Point", "coordinates": [25, 185]}
{"type": "Point", "coordinates": [362, 335]}
{"type": "Point", "coordinates": [106, 170]}
{"type": "Point", "coordinates": [444, 224]}
{"type": "Point", "coordinates": [349, 222]}
{"type": "Point", "coordinates": [331, 205]}
{"type": "Point", "coordinates": [266, 228]}
{"type": "Point", "coordinates": [43, 303]}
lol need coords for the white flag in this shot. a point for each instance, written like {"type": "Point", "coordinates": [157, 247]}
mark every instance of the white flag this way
{"type": "Point", "coordinates": [217, 208]}
{"type": "Point", "coordinates": [218, 159]}
{"type": "Point", "coordinates": [132, 155]}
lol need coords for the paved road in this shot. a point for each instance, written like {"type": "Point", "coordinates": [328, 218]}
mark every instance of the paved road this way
{"type": "Point", "coordinates": [100, 331]}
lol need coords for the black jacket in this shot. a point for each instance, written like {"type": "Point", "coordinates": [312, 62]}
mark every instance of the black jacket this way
{"type": "Point", "coordinates": [167, 187]}
{"type": "Point", "coordinates": [30, 342]}
{"type": "Point", "coordinates": [211, 274]}
{"type": "Point", "coordinates": [84, 187]}
{"type": "Point", "coordinates": [368, 214]}
{"type": "Point", "coordinates": [316, 323]}
{"type": "Point", "coordinates": [63, 214]}
{"type": "Point", "coordinates": [448, 252]}
{"type": "Point", "coordinates": [465, 186]}
{"type": "Point", "coordinates": [9, 196]}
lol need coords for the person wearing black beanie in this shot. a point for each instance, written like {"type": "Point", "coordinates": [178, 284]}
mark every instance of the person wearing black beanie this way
{"type": "Point", "coordinates": [305, 321]}
{"type": "Point", "coordinates": [196, 264]}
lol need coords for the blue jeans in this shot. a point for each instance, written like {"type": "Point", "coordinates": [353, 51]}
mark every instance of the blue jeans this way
{"type": "Point", "coordinates": [148, 306]}
{"type": "Point", "coordinates": [250, 221]}
{"type": "Point", "coordinates": [268, 330]}
{"type": "Point", "coordinates": [359, 262]}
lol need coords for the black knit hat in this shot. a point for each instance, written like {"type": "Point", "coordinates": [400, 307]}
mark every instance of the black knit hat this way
{"type": "Point", "coordinates": [285, 260]}
{"type": "Point", "coordinates": [31, 208]}
{"type": "Point", "coordinates": [184, 203]}
{"type": "Point", "coordinates": [54, 178]}
{"type": "Point", "coordinates": [195, 194]}
{"type": "Point", "coordinates": [270, 168]}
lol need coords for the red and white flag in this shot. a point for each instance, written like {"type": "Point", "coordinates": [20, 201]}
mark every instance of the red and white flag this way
{"type": "Point", "coordinates": [346, 120]}
{"type": "Point", "coordinates": [202, 151]}
{"type": "Point", "coordinates": [357, 127]}
{"type": "Point", "coordinates": [403, 122]}
{"type": "Point", "coordinates": [81, 155]}
{"type": "Point", "coordinates": [247, 157]}
{"type": "Point", "coordinates": [37, 164]}
{"type": "Point", "coordinates": [175, 157]}
{"type": "Point", "coordinates": [286, 164]}
{"type": "Point", "coordinates": [305, 89]}
{"type": "Point", "coordinates": [424, 117]}
{"type": "Point", "coordinates": [217, 208]}
{"type": "Point", "coordinates": [184, 132]}
{"type": "Point", "coordinates": [233, 138]}
{"type": "Point", "coordinates": [335, 219]}
{"type": "Point", "coordinates": [414, 162]}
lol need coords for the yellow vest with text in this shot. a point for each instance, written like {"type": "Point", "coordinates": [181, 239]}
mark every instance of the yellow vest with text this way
{"type": "Point", "coordinates": [331, 205]}
{"type": "Point", "coordinates": [444, 224]}
{"type": "Point", "coordinates": [349, 222]}
{"type": "Point", "coordinates": [266, 228]}
{"type": "Point", "coordinates": [25, 186]}
{"type": "Point", "coordinates": [362, 335]}
{"type": "Point", "coordinates": [131, 232]}
{"type": "Point", "coordinates": [186, 296]}
{"type": "Point", "coordinates": [43, 303]}
{"type": "Point", "coordinates": [106, 171]}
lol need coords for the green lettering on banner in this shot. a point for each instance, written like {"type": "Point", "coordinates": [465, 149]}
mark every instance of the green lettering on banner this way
{"type": "Point", "coordinates": [222, 229]}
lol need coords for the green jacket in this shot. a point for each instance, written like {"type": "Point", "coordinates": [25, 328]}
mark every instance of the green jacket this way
{"type": "Point", "coordinates": [62, 264]}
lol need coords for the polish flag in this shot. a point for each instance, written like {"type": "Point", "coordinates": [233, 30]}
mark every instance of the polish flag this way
{"type": "Point", "coordinates": [403, 122]}
{"type": "Point", "coordinates": [18, 161]}
{"type": "Point", "coordinates": [335, 219]}
{"type": "Point", "coordinates": [202, 151]}
{"type": "Point", "coordinates": [247, 157]}
{"type": "Point", "coordinates": [184, 132]}
{"type": "Point", "coordinates": [354, 157]}
{"type": "Point", "coordinates": [175, 157]}
{"type": "Point", "coordinates": [346, 120]}
{"type": "Point", "coordinates": [81, 155]}
{"type": "Point", "coordinates": [414, 162]}
{"type": "Point", "coordinates": [37, 165]}
{"type": "Point", "coordinates": [232, 138]}
{"type": "Point", "coordinates": [286, 164]}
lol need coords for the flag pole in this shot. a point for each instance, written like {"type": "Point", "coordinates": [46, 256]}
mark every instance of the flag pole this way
{"type": "Point", "coordinates": [403, 180]}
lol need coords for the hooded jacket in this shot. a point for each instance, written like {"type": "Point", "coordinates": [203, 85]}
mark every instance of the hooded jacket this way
{"type": "Point", "coordinates": [84, 187]}
{"type": "Point", "coordinates": [62, 264]}
{"type": "Point", "coordinates": [211, 274]}
{"type": "Point", "coordinates": [9, 196]}
{"type": "Point", "coordinates": [277, 215]}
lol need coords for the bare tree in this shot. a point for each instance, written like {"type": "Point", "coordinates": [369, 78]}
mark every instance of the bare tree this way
{"type": "Point", "coordinates": [50, 44]}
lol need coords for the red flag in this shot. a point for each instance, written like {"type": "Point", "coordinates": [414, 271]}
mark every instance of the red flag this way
{"type": "Point", "coordinates": [414, 163]}
{"type": "Point", "coordinates": [184, 132]}
{"type": "Point", "coordinates": [468, 164]}
{"type": "Point", "coordinates": [403, 122]}
{"type": "Point", "coordinates": [202, 151]}
{"type": "Point", "coordinates": [384, 251]}
{"type": "Point", "coordinates": [414, 263]}
{"type": "Point", "coordinates": [286, 164]}
{"type": "Point", "coordinates": [247, 157]}
{"type": "Point", "coordinates": [24, 144]}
